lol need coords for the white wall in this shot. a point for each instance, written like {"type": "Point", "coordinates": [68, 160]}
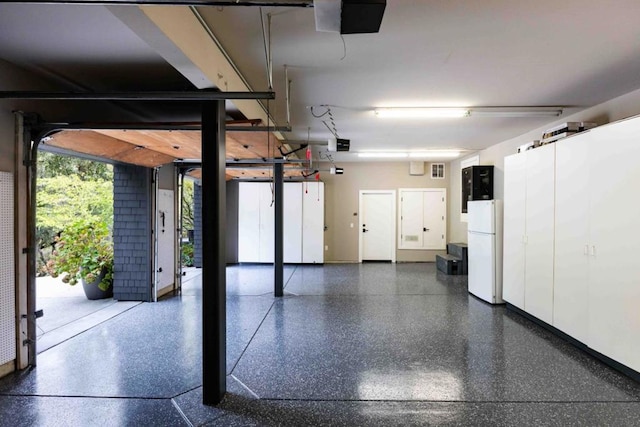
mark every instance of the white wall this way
{"type": "Point", "coordinates": [616, 109]}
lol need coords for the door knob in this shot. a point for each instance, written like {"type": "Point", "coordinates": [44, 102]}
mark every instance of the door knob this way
{"type": "Point", "coordinates": [425, 229]}
{"type": "Point", "coordinates": [364, 230]}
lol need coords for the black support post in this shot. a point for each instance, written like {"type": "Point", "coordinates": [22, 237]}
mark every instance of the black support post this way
{"type": "Point", "coordinates": [214, 322]}
{"type": "Point", "coordinates": [278, 186]}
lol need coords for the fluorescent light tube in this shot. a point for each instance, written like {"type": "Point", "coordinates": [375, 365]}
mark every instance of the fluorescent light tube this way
{"type": "Point", "coordinates": [378, 154]}
{"type": "Point", "coordinates": [426, 112]}
{"type": "Point", "coordinates": [437, 154]}
{"type": "Point", "coordinates": [515, 112]}
{"type": "Point", "coordinates": [435, 112]}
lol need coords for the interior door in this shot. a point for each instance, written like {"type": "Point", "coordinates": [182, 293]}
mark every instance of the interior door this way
{"type": "Point", "coordinates": [434, 224]}
{"type": "Point", "coordinates": [377, 218]}
{"type": "Point", "coordinates": [411, 219]}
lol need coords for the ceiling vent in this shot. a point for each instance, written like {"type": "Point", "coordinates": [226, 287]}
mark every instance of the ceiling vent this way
{"type": "Point", "coordinates": [349, 16]}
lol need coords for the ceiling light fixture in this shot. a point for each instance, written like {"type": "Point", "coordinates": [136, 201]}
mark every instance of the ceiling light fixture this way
{"type": "Point", "coordinates": [419, 113]}
{"type": "Point", "coordinates": [453, 112]}
{"type": "Point", "coordinates": [434, 154]}
{"type": "Point", "coordinates": [424, 154]}
{"type": "Point", "coordinates": [379, 154]}
{"type": "Point", "coordinates": [515, 112]}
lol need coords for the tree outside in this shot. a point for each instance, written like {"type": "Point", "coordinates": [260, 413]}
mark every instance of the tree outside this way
{"type": "Point", "coordinates": [187, 222]}
{"type": "Point", "coordinates": [69, 188]}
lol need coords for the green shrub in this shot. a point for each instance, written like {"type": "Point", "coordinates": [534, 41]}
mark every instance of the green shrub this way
{"type": "Point", "coordinates": [83, 250]}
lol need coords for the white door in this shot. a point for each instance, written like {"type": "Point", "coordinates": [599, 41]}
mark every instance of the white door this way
{"type": "Point", "coordinates": [423, 214]}
{"type": "Point", "coordinates": [313, 223]}
{"type": "Point", "coordinates": [515, 185]}
{"type": "Point", "coordinates": [482, 272]}
{"type": "Point", "coordinates": [292, 222]}
{"type": "Point", "coordinates": [166, 236]}
{"type": "Point", "coordinates": [434, 225]}
{"type": "Point", "coordinates": [377, 225]}
{"type": "Point", "coordinates": [411, 219]}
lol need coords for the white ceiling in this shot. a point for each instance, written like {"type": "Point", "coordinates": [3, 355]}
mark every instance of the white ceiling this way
{"type": "Point", "coordinates": [428, 53]}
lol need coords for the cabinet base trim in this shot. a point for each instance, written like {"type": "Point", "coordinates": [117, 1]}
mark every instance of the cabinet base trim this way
{"type": "Point", "coordinates": [631, 373]}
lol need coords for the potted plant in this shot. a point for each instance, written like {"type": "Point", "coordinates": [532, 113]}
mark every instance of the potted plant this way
{"type": "Point", "coordinates": [84, 252]}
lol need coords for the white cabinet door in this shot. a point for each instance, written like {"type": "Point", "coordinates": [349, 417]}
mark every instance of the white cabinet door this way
{"type": "Point", "coordinates": [540, 200]}
{"type": "Point", "coordinates": [292, 222]}
{"type": "Point", "coordinates": [423, 214]}
{"type": "Point", "coordinates": [313, 223]}
{"type": "Point", "coordinates": [267, 223]}
{"type": "Point", "coordinates": [303, 234]}
{"type": "Point", "coordinates": [514, 229]}
{"type": "Point", "coordinates": [248, 222]}
{"type": "Point", "coordinates": [571, 265]}
{"type": "Point", "coordinates": [614, 277]}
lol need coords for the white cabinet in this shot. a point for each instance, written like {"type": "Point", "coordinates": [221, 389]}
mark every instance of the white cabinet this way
{"type": "Point", "coordinates": [423, 214]}
{"type": "Point", "coordinates": [596, 289]}
{"type": "Point", "coordinates": [303, 211]}
{"type": "Point", "coordinates": [529, 231]}
{"type": "Point", "coordinates": [593, 288]}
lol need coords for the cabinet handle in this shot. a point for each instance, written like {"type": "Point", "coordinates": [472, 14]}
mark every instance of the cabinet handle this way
{"type": "Point", "coordinates": [593, 250]}
{"type": "Point", "coordinates": [586, 249]}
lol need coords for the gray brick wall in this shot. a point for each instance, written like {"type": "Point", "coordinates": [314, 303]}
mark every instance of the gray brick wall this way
{"type": "Point", "coordinates": [197, 226]}
{"type": "Point", "coordinates": [132, 233]}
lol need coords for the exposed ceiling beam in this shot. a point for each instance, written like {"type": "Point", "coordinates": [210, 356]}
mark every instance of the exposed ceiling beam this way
{"type": "Point", "coordinates": [266, 3]}
{"type": "Point", "coordinates": [137, 96]}
{"type": "Point", "coordinates": [197, 45]}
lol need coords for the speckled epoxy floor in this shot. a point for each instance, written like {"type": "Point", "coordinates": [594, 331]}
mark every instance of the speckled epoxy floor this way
{"type": "Point", "coordinates": [349, 344]}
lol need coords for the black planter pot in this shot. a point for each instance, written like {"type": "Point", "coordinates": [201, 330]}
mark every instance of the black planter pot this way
{"type": "Point", "coordinates": [93, 291]}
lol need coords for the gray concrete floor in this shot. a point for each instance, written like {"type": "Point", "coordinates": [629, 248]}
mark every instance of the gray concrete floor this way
{"type": "Point", "coordinates": [68, 312]}
{"type": "Point", "coordinates": [349, 344]}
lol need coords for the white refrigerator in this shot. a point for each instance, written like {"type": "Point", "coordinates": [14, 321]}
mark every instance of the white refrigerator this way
{"type": "Point", "coordinates": [485, 249]}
